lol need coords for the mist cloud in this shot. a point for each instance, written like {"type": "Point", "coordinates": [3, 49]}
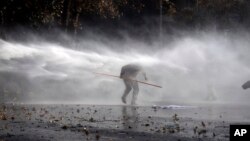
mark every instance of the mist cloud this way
{"type": "Point", "coordinates": [188, 67]}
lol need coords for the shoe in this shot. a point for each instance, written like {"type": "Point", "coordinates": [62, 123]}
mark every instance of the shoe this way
{"type": "Point", "coordinates": [124, 100]}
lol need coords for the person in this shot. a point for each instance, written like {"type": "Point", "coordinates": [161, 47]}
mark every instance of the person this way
{"type": "Point", "coordinates": [128, 74]}
{"type": "Point", "coordinates": [246, 85]}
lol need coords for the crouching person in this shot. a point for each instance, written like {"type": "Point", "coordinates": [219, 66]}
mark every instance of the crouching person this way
{"type": "Point", "coordinates": [128, 74]}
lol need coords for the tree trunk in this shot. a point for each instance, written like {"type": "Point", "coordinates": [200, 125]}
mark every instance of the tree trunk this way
{"type": "Point", "coordinates": [66, 14]}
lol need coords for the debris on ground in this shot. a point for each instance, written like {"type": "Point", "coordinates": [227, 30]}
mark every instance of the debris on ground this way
{"type": "Point", "coordinates": [3, 116]}
{"type": "Point", "coordinates": [64, 127]}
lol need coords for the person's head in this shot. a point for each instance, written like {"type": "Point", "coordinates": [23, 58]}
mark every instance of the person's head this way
{"type": "Point", "coordinates": [246, 85]}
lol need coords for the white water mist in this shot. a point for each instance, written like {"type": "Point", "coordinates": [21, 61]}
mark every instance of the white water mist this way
{"type": "Point", "coordinates": [189, 68]}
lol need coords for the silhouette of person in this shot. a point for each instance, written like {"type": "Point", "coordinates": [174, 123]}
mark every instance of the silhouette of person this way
{"type": "Point", "coordinates": [128, 74]}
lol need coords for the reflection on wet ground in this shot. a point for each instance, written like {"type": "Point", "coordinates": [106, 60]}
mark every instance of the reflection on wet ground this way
{"type": "Point", "coordinates": [130, 117]}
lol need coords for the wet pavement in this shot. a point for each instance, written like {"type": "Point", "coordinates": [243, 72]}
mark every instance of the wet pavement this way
{"type": "Point", "coordinates": [117, 122]}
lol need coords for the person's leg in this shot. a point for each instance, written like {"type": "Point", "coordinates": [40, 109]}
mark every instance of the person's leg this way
{"type": "Point", "coordinates": [135, 92]}
{"type": "Point", "coordinates": [127, 90]}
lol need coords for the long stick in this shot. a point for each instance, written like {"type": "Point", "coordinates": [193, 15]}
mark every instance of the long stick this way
{"type": "Point", "coordinates": [131, 79]}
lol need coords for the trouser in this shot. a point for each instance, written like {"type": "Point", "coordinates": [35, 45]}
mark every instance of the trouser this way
{"type": "Point", "coordinates": [131, 84]}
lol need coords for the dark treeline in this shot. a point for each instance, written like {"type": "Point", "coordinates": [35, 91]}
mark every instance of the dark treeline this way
{"type": "Point", "coordinates": [77, 15]}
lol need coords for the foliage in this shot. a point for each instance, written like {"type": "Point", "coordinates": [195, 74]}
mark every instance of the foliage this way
{"type": "Point", "coordinates": [75, 13]}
